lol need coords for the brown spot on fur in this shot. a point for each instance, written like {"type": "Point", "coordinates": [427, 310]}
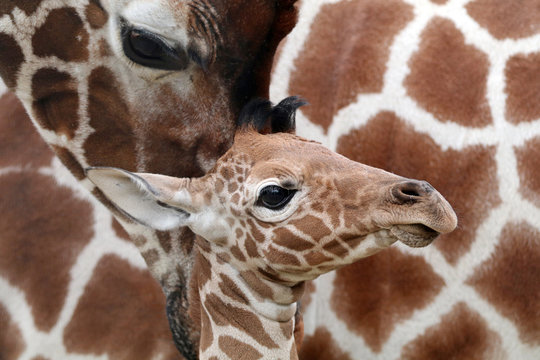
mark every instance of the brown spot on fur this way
{"type": "Point", "coordinates": [286, 329]}
{"type": "Point", "coordinates": [69, 161]}
{"type": "Point", "coordinates": [269, 274]}
{"type": "Point", "coordinates": [461, 334]}
{"type": "Point", "coordinates": [239, 233]}
{"type": "Point", "coordinates": [507, 19]}
{"type": "Point", "coordinates": [509, 279]}
{"type": "Point", "coordinates": [262, 291]}
{"type": "Point", "coordinates": [207, 336]}
{"type": "Point", "coordinates": [237, 253]}
{"type": "Point", "coordinates": [219, 185]}
{"type": "Point", "coordinates": [150, 257]}
{"type": "Point", "coordinates": [336, 248]}
{"type": "Point", "coordinates": [439, 2]}
{"type": "Point", "coordinates": [119, 230]}
{"type": "Point", "coordinates": [331, 209]}
{"type": "Point", "coordinates": [398, 148]}
{"type": "Point", "coordinates": [104, 48]}
{"type": "Point", "coordinates": [113, 142]}
{"type": "Point", "coordinates": [390, 280]}
{"type": "Point", "coordinates": [16, 133]}
{"type": "Point", "coordinates": [334, 67]}
{"type": "Point", "coordinates": [352, 239]}
{"type": "Point", "coordinates": [11, 59]}
{"type": "Point", "coordinates": [229, 289]}
{"type": "Point", "coordinates": [312, 226]}
{"type": "Point", "coordinates": [71, 46]}
{"type": "Point", "coordinates": [165, 240]}
{"type": "Point", "coordinates": [233, 348]}
{"type": "Point", "coordinates": [139, 241]}
{"type": "Point", "coordinates": [273, 255]}
{"type": "Point", "coordinates": [226, 173]}
{"type": "Point", "coordinates": [523, 88]}
{"type": "Point", "coordinates": [56, 101]}
{"type": "Point", "coordinates": [40, 358]}
{"type": "Point", "coordinates": [28, 6]}
{"type": "Point", "coordinates": [44, 227]}
{"type": "Point", "coordinates": [186, 237]}
{"type": "Point", "coordinates": [11, 341]}
{"type": "Point", "coordinates": [321, 346]}
{"type": "Point", "coordinates": [287, 239]}
{"type": "Point", "coordinates": [255, 232]}
{"type": "Point", "coordinates": [448, 77]}
{"type": "Point", "coordinates": [97, 17]}
{"type": "Point", "coordinates": [317, 207]}
{"type": "Point", "coordinates": [135, 325]}
{"type": "Point", "coordinates": [223, 258]}
{"type": "Point", "coordinates": [251, 247]}
{"type": "Point", "coordinates": [225, 314]}
{"type": "Point", "coordinates": [315, 258]}
{"type": "Point", "coordinates": [203, 270]}
{"type": "Point", "coordinates": [528, 161]}
{"type": "Point", "coordinates": [232, 187]}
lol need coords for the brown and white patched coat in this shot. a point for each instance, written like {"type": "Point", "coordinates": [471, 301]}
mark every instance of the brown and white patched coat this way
{"type": "Point", "coordinates": [445, 90]}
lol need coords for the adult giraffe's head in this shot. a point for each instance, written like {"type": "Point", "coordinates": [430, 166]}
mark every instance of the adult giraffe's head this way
{"type": "Point", "coordinates": [146, 85]}
{"type": "Point", "coordinates": [138, 83]}
{"type": "Point", "coordinates": [275, 211]}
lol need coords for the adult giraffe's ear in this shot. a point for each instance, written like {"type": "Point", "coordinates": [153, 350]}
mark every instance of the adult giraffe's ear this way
{"type": "Point", "coordinates": [159, 201]}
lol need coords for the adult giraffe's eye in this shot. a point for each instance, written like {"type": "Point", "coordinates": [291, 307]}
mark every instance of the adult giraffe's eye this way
{"type": "Point", "coordinates": [148, 49]}
{"type": "Point", "coordinates": [274, 197]}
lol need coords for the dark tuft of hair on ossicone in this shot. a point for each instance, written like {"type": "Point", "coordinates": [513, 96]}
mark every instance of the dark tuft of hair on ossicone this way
{"type": "Point", "coordinates": [267, 118]}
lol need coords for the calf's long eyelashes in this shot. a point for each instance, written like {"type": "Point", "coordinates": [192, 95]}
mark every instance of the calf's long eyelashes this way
{"type": "Point", "coordinates": [150, 50]}
{"type": "Point", "coordinates": [274, 197]}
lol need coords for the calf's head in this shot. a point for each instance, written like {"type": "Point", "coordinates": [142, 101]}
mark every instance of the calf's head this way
{"type": "Point", "coordinates": [281, 206]}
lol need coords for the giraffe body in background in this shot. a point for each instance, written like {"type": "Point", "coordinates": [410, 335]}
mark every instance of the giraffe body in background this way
{"type": "Point", "coordinates": [447, 91]}
{"type": "Point", "coordinates": [276, 210]}
{"type": "Point", "coordinates": [427, 89]}
{"type": "Point", "coordinates": [132, 84]}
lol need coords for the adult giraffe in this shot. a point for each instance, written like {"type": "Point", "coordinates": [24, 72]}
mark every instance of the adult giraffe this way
{"type": "Point", "coordinates": [447, 91]}
{"type": "Point", "coordinates": [146, 85]}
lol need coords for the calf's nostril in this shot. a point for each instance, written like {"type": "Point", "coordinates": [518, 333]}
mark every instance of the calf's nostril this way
{"type": "Point", "coordinates": [411, 191]}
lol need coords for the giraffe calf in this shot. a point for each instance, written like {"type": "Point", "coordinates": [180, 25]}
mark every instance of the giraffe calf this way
{"type": "Point", "coordinates": [275, 211]}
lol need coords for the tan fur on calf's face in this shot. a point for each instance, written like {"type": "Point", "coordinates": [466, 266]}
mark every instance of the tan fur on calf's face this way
{"type": "Point", "coordinates": [336, 206]}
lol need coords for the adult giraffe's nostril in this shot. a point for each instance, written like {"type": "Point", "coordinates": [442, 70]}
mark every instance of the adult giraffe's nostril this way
{"type": "Point", "coordinates": [411, 191]}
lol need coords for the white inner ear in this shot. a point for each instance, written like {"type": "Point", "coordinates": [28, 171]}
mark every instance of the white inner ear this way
{"type": "Point", "coordinates": [135, 197]}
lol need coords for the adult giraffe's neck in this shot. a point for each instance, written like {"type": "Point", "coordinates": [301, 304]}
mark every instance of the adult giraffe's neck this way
{"type": "Point", "coordinates": [241, 313]}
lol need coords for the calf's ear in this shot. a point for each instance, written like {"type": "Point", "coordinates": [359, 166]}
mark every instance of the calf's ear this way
{"type": "Point", "coordinates": [157, 201]}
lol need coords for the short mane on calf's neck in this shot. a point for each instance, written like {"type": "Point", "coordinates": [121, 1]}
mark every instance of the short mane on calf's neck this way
{"type": "Point", "coordinates": [275, 211]}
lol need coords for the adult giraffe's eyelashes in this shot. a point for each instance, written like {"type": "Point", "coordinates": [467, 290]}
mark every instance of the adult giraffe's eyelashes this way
{"type": "Point", "coordinates": [274, 197]}
{"type": "Point", "coordinates": [148, 49]}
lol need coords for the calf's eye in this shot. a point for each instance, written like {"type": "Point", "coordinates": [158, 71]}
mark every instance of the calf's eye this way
{"type": "Point", "coordinates": [274, 197]}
